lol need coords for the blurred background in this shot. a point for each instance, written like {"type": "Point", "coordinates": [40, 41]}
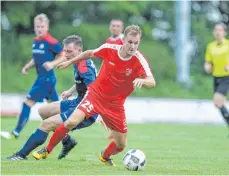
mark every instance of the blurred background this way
{"type": "Point", "coordinates": [174, 40]}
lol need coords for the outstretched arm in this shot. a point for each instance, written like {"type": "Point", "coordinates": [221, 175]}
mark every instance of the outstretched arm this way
{"type": "Point", "coordinates": [82, 56]}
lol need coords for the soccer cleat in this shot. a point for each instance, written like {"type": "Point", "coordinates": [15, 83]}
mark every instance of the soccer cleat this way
{"type": "Point", "coordinates": [67, 148]}
{"type": "Point", "coordinates": [15, 157]}
{"type": "Point", "coordinates": [106, 161]}
{"type": "Point", "coordinates": [40, 154]}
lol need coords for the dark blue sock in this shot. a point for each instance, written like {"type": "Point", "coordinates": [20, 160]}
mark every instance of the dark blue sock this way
{"type": "Point", "coordinates": [36, 139]}
{"type": "Point", "coordinates": [23, 118]}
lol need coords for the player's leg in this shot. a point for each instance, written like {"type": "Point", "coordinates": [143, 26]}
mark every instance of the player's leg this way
{"type": "Point", "coordinates": [116, 146]}
{"type": "Point", "coordinates": [116, 121]}
{"type": "Point", "coordinates": [67, 107]}
{"type": "Point", "coordinates": [68, 143]}
{"type": "Point", "coordinates": [220, 101]}
{"type": "Point", "coordinates": [76, 117]}
{"type": "Point", "coordinates": [50, 109]}
{"type": "Point", "coordinates": [23, 117]}
{"type": "Point", "coordinates": [221, 87]}
{"type": "Point", "coordinates": [37, 138]}
{"type": "Point", "coordinates": [85, 109]}
{"type": "Point", "coordinates": [71, 120]}
{"type": "Point", "coordinates": [36, 94]}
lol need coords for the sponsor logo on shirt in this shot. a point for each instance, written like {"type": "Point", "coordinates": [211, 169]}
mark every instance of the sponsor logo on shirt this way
{"type": "Point", "coordinates": [128, 71]}
{"type": "Point", "coordinates": [37, 51]}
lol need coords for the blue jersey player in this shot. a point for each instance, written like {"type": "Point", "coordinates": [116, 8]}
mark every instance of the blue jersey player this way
{"type": "Point", "coordinates": [45, 48]}
{"type": "Point", "coordinates": [56, 113]}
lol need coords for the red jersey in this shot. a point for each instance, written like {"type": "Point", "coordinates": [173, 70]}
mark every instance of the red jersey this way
{"type": "Point", "coordinates": [115, 80]}
{"type": "Point", "coordinates": [117, 40]}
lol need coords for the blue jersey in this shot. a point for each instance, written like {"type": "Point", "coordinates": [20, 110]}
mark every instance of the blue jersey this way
{"type": "Point", "coordinates": [45, 49]}
{"type": "Point", "coordinates": [84, 73]}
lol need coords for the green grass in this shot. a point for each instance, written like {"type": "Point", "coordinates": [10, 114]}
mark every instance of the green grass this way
{"type": "Point", "coordinates": [169, 148]}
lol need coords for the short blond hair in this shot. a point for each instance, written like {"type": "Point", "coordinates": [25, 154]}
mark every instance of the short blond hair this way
{"type": "Point", "coordinates": [42, 17]}
{"type": "Point", "coordinates": [133, 30]}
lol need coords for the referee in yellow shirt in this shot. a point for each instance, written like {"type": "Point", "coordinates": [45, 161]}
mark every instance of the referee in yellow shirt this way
{"type": "Point", "coordinates": [217, 63]}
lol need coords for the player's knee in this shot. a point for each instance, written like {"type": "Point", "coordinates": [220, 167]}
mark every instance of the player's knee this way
{"type": "Point", "coordinates": [121, 145]}
{"type": "Point", "coordinates": [47, 126]}
{"type": "Point", "coordinates": [42, 113]}
{"type": "Point", "coordinates": [218, 100]}
{"type": "Point", "coordinates": [29, 102]}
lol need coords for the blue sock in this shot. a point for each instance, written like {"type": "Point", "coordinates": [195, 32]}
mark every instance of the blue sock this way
{"type": "Point", "coordinates": [36, 139]}
{"type": "Point", "coordinates": [23, 118]}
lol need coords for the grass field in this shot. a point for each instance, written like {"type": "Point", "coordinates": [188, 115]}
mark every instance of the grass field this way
{"type": "Point", "coordinates": [169, 148]}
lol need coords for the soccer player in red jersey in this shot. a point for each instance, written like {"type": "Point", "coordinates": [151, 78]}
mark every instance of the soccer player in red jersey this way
{"type": "Point", "coordinates": [116, 28]}
{"type": "Point", "coordinates": [124, 69]}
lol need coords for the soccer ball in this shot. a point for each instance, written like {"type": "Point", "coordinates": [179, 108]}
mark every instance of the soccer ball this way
{"type": "Point", "coordinates": [134, 160]}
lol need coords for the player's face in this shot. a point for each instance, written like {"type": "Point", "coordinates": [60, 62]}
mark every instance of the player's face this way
{"type": "Point", "coordinates": [131, 43]}
{"type": "Point", "coordinates": [219, 32]}
{"type": "Point", "coordinates": [116, 28]}
{"type": "Point", "coordinates": [71, 50]}
{"type": "Point", "coordinates": [41, 28]}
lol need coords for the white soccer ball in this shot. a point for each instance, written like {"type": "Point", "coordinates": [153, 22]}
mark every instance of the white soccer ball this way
{"type": "Point", "coordinates": [134, 160]}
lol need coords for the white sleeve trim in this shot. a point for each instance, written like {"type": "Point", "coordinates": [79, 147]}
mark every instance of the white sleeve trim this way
{"type": "Point", "coordinates": [144, 63]}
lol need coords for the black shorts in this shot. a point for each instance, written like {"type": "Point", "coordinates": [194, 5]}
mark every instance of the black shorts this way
{"type": "Point", "coordinates": [221, 85]}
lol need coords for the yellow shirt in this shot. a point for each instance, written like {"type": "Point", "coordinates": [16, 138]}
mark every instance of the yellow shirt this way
{"type": "Point", "coordinates": [218, 55]}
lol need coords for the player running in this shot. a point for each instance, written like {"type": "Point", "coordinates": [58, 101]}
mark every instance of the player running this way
{"type": "Point", "coordinates": [217, 63]}
{"type": "Point", "coordinates": [56, 113]}
{"type": "Point", "coordinates": [124, 69]}
{"type": "Point", "coordinates": [45, 48]}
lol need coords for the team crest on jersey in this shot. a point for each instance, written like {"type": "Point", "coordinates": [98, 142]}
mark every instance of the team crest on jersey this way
{"type": "Point", "coordinates": [41, 46]}
{"type": "Point", "coordinates": [128, 71]}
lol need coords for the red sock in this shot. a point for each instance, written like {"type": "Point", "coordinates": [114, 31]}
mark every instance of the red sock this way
{"type": "Point", "coordinates": [112, 149]}
{"type": "Point", "coordinates": [57, 136]}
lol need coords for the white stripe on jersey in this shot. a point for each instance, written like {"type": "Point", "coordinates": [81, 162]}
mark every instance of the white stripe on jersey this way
{"type": "Point", "coordinates": [107, 45]}
{"type": "Point", "coordinates": [144, 63]}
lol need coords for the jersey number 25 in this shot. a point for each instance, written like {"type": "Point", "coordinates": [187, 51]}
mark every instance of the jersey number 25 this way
{"type": "Point", "coordinates": [88, 106]}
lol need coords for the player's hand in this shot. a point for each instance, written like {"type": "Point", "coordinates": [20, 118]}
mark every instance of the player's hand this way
{"type": "Point", "coordinates": [227, 68]}
{"type": "Point", "coordinates": [48, 66]}
{"type": "Point", "coordinates": [66, 94]}
{"type": "Point", "coordinates": [208, 67]}
{"type": "Point", "coordinates": [138, 82]}
{"type": "Point", "coordinates": [64, 65]}
{"type": "Point", "coordinates": [24, 71]}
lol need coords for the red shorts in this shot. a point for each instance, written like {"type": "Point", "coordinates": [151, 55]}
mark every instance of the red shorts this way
{"type": "Point", "coordinates": [113, 117]}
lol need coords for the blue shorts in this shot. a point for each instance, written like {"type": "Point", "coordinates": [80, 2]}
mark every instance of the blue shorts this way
{"type": "Point", "coordinates": [68, 106]}
{"type": "Point", "coordinates": [43, 87]}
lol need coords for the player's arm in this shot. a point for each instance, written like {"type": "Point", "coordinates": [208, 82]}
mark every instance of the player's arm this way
{"type": "Point", "coordinates": [59, 59]}
{"type": "Point", "coordinates": [82, 56]}
{"type": "Point", "coordinates": [29, 65]}
{"type": "Point", "coordinates": [208, 60]}
{"type": "Point", "coordinates": [66, 94]}
{"type": "Point", "coordinates": [148, 82]}
{"type": "Point", "coordinates": [58, 51]}
{"type": "Point", "coordinates": [100, 52]}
